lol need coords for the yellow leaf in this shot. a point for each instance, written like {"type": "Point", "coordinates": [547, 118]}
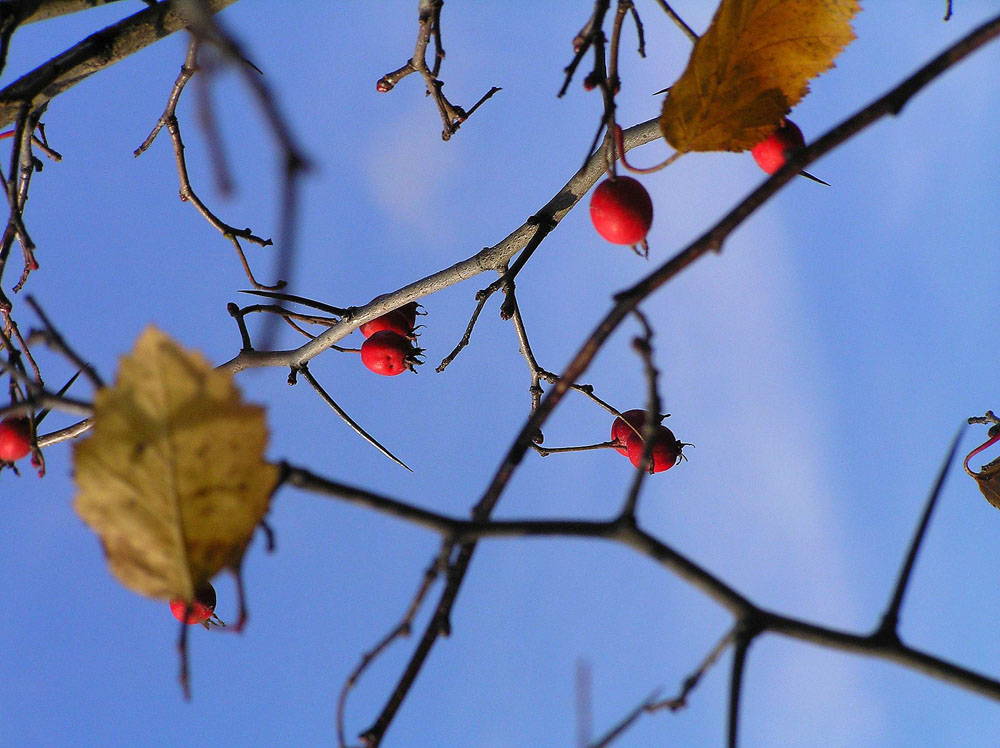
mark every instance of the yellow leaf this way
{"type": "Point", "coordinates": [750, 68]}
{"type": "Point", "coordinates": [173, 478]}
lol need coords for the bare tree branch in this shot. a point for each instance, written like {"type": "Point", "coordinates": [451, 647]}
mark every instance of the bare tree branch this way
{"type": "Point", "coordinates": [97, 52]}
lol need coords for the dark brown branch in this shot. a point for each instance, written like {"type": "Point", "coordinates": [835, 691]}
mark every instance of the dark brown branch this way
{"type": "Point", "coordinates": [744, 637]}
{"type": "Point", "coordinates": [97, 52]}
{"type": "Point", "coordinates": [630, 535]}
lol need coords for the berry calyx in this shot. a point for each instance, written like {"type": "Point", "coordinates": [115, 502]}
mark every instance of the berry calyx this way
{"type": "Point", "coordinates": [200, 610]}
{"type": "Point", "coordinates": [15, 438]}
{"type": "Point", "coordinates": [666, 450]}
{"type": "Point", "coordinates": [621, 429]}
{"type": "Point", "coordinates": [389, 353]}
{"type": "Point", "coordinates": [621, 210]}
{"type": "Point", "coordinates": [397, 321]}
{"type": "Point", "coordinates": [773, 151]}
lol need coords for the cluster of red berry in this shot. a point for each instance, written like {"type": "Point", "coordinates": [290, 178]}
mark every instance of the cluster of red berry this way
{"type": "Point", "coordinates": [665, 451]}
{"type": "Point", "coordinates": [390, 348]}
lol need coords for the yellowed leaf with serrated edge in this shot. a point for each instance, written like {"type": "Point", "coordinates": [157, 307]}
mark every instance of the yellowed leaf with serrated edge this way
{"type": "Point", "coordinates": [173, 479]}
{"type": "Point", "coordinates": [750, 68]}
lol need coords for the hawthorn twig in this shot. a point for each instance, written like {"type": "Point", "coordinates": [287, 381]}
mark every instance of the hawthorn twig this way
{"type": "Point", "coordinates": [98, 51]}
{"type": "Point", "coordinates": [889, 627]}
{"type": "Point", "coordinates": [688, 31]}
{"type": "Point", "coordinates": [754, 619]}
{"type": "Point", "coordinates": [630, 719]}
{"type": "Point", "coordinates": [429, 20]}
{"type": "Point", "coordinates": [187, 193]}
{"type": "Point", "coordinates": [55, 340]}
{"type": "Point", "coordinates": [304, 370]}
{"type": "Point", "coordinates": [400, 630]}
{"type": "Point", "coordinates": [644, 347]}
{"type": "Point", "coordinates": [691, 682]}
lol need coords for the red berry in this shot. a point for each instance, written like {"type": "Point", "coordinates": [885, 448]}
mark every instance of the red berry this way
{"type": "Point", "coordinates": [388, 353]}
{"type": "Point", "coordinates": [621, 210]}
{"type": "Point", "coordinates": [15, 438]}
{"type": "Point", "coordinates": [620, 429]}
{"type": "Point", "coordinates": [666, 451]}
{"type": "Point", "coordinates": [201, 608]}
{"type": "Point", "coordinates": [773, 151]}
{"type": "Point", "coordinates": [396, 320]}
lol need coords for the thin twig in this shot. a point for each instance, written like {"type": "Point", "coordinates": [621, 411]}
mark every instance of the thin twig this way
{"type": "Point", "coordinates": [627, 722]}
{"type": "Point", "coordinates": [691, 682]}
{"type": "Point", "coordinates": [644, 347]}
{"type": "Point", "coordinates": [187, 193]}
{"type": "Point", "coordinates": [58, 342]}
{"type": "Point", "coordinates": [347, 419]}
{"type": "Point", "coordinates": [890, 620]}
{"type": "Point", "coordinates": [688, 31]}
{"type": "Point", "coordinates": [400, 630]}
{"type": "Point", "coordinates": [429, 27]}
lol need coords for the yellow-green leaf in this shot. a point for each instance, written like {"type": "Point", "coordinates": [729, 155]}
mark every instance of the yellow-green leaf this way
{"type": "Point", "coordinates": [173, 479]}
{"type": "Point", "coordinates": [750, 68]}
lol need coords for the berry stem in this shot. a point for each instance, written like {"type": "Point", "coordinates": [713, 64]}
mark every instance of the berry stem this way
{"type": "Point", "coordinates": [619, 141]}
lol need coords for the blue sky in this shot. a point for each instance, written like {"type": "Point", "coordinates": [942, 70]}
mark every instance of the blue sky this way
{"type": "Point", "coordinates": [820, 365]}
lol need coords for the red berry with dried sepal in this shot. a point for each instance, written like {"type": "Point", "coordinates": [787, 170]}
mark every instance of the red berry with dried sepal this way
{"type": "Point", "coordinates": [388, 353]}
{"type": "Point", "coordinates": [621, 429]}
{"type": "Point", "coordinates": [621, 210]}
{"type": "Point", "coordinates": [773, 151]}
{"type": "Point", "coordinates": [15, 438]}
{"type": "Point", "coordinates": [199, 610]}
{"type": "Point", "coordinates": [666, 450]}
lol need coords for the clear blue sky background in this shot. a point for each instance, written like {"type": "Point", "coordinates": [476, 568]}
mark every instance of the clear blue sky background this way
{"type": "Point", "coordinates": [821, 364]}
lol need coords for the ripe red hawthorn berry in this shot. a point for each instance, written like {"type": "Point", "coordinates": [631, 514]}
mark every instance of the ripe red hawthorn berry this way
{"type": "Point", "coordinates": [773, 151]}
{"type": "Point", "coordinates": [621, 210]}
{"type": "Point", "coordinates": [388, 353]}
{"type": "Point", "coordinates": [15, 438]}
{"type": "Point", "coordinates": [620, 429]}
{"type": "Point", "coordinates": [202, 607]}
{"type": "Point", "coordinates": [666, 451]}
{"type": "Point", "coordinates": [396, 320]}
